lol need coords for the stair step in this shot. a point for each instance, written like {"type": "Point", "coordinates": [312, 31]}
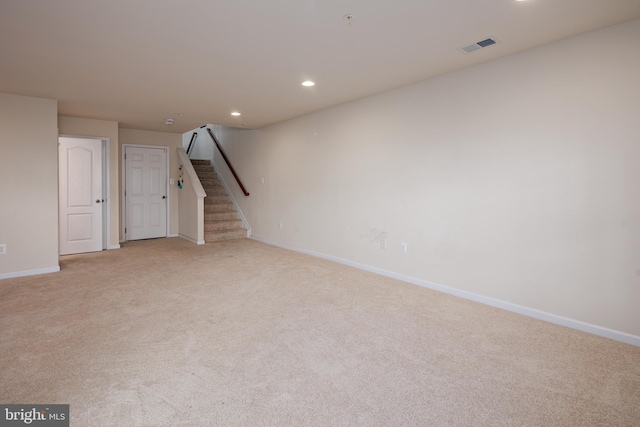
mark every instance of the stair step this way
{"type": "Point", "coordinates": [214, 216]}
{"type": "Point", "coordinates": [215, 198]}
{"type": "Point", "coordinates": [218, 207]}
{"type": "Point", "coordinates": [200, 162]}
{"type": "Point", "coordinates": [216, 236]}
{"type": "Point", "coordinates": [209, 181]}
{"type": "Point", "coordinates": [222, 224]}
{"type": "Point", "coordinates": [207, 175]}
{"type": "Point", "coordinates": [214, 189]}
{"type": "Point", "coordinates": [202, 168]}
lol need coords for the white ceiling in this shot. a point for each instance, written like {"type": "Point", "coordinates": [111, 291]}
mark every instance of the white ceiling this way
{"type": "Point", "coordinates": [139, 62]}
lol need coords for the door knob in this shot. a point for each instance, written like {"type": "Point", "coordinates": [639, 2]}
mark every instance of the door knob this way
{"type": "Point", "coordinates": [97, 200]}
{"type": "Point", "coordinates": [164, 197]}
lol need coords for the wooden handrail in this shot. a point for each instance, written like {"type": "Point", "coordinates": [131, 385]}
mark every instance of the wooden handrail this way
{"type": "Point", "coordinates": [193, 137]}
{"type": "Point", "coordinates": [224, 156]}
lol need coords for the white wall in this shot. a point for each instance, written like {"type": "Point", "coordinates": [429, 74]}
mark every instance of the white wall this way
{"type": "Point", "coordinates": [202, 145]}
{"type": "Point", "coordinates": [29, 185]}
{"type": "Point", "coordinates": [515, 180]}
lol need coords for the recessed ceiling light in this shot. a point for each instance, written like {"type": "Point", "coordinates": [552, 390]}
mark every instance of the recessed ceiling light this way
{"type": "Point", "coordinates": [308, 83]}
{"type": "Point", "coordinates": [235, 113]}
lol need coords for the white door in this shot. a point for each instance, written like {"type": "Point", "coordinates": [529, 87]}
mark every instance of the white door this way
{"type": "Point", "coordinates": [145, 193]}
{"type": "Point", "coordinates": [80, 194]}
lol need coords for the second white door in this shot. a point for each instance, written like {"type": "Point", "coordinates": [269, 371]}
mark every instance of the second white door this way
{"type": "Point", "coordinates": [145, 193]}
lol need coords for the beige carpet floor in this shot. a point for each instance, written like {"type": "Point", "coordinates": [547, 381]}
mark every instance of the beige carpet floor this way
{"type": "Point", "coordinates": [240, 333]}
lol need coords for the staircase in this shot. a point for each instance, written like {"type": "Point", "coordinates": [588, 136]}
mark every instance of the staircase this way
{"type": "Point", "coordinates": [220, 217]}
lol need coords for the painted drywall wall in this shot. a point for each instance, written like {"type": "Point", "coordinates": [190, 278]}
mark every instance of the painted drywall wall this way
{"type": "Point", "coordinates": [191, 201]}
{"type": "Point", "coordinates": [78, 126]}
{"type": "Point", "coordinates": [516, 179]}
{"type": "Point", "coordinates": [161, 139]}
{"type": "Point", "coordinates": [29, 190]}
{"type": "Point", "coordinates": [202, 146]}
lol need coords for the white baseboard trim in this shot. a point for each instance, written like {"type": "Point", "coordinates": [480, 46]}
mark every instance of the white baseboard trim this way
{"type": "Point", "coordinates": [113, 247]}
{"type": "Point", "coordinates": [173, 235]}
{"type": "Point", "coordinates": [29, 272]}
{"type": "Point", "coordinates": [197, 242]}
{"type": "Point", "coordinates": [515, 308]}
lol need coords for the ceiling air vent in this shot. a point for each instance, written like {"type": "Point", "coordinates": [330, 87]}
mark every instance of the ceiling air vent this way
{"type": "Point", "coordinates": [478, 45]}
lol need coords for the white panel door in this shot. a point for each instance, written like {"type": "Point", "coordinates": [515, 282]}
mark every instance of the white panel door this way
{"type": "Point", "coordinates": [145, 193]}
{"type": "Point", "coordinates": [80, 194]}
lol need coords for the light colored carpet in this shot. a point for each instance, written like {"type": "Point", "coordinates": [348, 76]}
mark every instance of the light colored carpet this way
{"type": "Point", "coordinates": [239, 333]}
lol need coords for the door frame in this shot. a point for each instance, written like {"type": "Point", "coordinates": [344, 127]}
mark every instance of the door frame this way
{"type": "Point", "coordinates": [123, 187]}
{"type": "Point", "coordinates": [106, 174]}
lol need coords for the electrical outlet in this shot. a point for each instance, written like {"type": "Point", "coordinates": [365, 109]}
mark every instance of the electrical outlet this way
{"type": "Point", "coordinates": [3, 249]}
{"type": "Point", "coordinates": [383, 243]}
{"type": "Point", "coordinates": [403, 248]}
{"type": "Point", "coordinates": [280, 224]}
{"type": "Point", "coordinates": [262, 180]}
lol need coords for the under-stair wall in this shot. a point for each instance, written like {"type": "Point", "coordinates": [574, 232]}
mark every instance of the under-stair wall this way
{"type": "Point", "coordinates": [191, 201]}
